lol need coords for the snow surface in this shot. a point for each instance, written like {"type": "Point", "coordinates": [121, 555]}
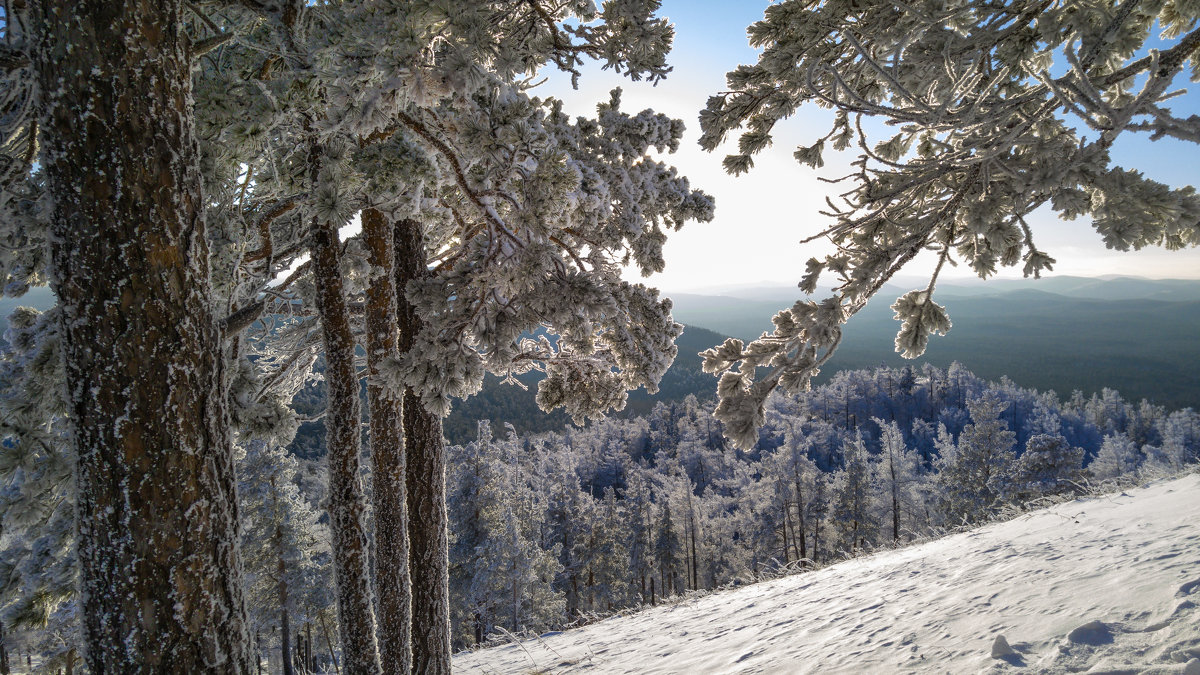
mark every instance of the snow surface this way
{"type": "Point", "coordinates": [1099, 585]}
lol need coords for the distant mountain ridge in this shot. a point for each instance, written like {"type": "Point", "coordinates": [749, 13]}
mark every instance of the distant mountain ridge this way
{"type": "Point", "coordinates": [1138, 336]}
{"type": "Point", "coordinates": [1111, 287]}
{"type": "Point", "coordinates": [1089, 288]}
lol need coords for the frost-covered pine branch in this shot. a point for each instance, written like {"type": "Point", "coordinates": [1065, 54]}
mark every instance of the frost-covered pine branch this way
{"type": "Point", "coordinates": [999, 110]}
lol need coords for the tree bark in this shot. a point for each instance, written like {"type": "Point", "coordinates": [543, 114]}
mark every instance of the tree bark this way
{"type": "Point", "coordinates": [160, 576]}
{"type": "Point", "coordinates": [785, 529]}
{"type": "Point", "coordinates": [695, 558]}
{"type": "Point", "coordinates": [800, 509]}
{"type": "Point", "coordinates": [425, 450]}
{"type": "Point", "coordinates": [895, 500]}
{"type": "Point", "coordinates": [310, 663]}
{"type": "Point", "coordinates": [347, 503]}
{"type": "Point", "coordinates": [281, 585]}
{"type": "Point", "coordinates": [392, 587]}
{"type": "Point", "coordinates": [285, 625]}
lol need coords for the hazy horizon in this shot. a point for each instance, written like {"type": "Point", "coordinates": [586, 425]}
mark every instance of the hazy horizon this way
{"type": "Point", "coordinates": [909, 280]}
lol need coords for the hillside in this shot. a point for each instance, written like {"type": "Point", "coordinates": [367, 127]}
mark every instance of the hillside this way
{"type": "Point", "coordinates": [1105, 584]}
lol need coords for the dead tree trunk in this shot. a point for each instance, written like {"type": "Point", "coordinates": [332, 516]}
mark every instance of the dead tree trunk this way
{"type": "Point", "coordinates": [155, 488]}
{"type": "Point", "coordinates": [392, 586]}
{"type": "Point", "coordinates": [425, 450]}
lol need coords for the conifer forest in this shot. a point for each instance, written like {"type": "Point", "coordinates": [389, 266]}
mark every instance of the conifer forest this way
{"type": "Point", "coordinates": [284, 241]}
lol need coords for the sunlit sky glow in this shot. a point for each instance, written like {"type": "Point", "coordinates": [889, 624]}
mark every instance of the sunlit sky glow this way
{"type": "Point", "coordinates": [761, 216]}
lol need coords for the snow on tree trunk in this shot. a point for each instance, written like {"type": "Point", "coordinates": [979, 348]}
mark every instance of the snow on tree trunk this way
{"type": "Point", "coordinates": [429, 564]}
{"type": "Point", "coordinates": [160, 576]}
{"type": "Point", "coordinates": [392, 586]}
{"type": "Point", "coordinates": [347, 504]}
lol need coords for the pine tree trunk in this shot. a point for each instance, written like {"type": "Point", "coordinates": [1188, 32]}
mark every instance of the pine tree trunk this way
{"type": "Point", "coordinates": [695, 559]}
{"type": "Point", "coordinates": [591, 590]}
{"type": "Point", "coordinates": [429, 564]}
{"type": "Point", "coordinates": [329, 644]}
{"type": "Point", "coordinates": [310, 662]}
{"type": "Point", "coordinates": [800, 511]}
{"type": "Point", "coordinates": [516, 605]}
{"type": "Point", "coordinates": [785, 531]}
{"type": "Point", "coordinates": [392, 588]}
{"type": "Point", "coordinates": [817, 534]}
{"type": "Point", "coordinates": [285, 626]}
{"type": "Point", "coordinates": [160, 575]}
{"type": "Point", "coordinates": [347, 503]}
{"type": "Point", "coordinates": [298, 653]}
{"type": "Point", "coordinates": [895, 506]}
{"type": "Point", "coordinates": [573, 596]}
{"type": "Point", "coordinates": [3, 652]}
{"type": "Point", "coordinates": [281, 587]}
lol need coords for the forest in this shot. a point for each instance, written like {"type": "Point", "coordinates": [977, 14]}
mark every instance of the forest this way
{"type": "Point", "coordinates": [554, 528]}
{"type": "Point", "coordinates": [557, 529]}
{"type": "Point", "coordinates": [219, 194]}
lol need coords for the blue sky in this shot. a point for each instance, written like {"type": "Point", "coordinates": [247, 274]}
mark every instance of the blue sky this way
{"type": "Point", "coordinates": [761, 216]}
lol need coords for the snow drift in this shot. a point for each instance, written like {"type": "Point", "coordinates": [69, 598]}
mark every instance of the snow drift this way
{"type": "Point", "coordinates": [1106, 584]}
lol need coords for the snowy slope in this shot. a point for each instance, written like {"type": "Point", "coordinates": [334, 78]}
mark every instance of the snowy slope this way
{"type": "Point", "coordinates": [1130, 562]}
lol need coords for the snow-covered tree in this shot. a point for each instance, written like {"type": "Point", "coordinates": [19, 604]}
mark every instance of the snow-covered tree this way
{"type": "Point", "coordinates": [667, 549]}
{"type": "Point", "coordinates": [603, 553]}
{"type": "Point", "coordinates": [506, 216]}
{"type": "Point", "coordinates": [564, 506]}
{"type": "Point", "coordinates": [898, 478]}
{"type": "Point", "coordinates": [1118, 457]}
{"type": "Point", "coordinates": [1048, 466]}
{"type": "Point", "coordinates": [284, 546]}
{"type": "Point", "coordinates": [818, 511]}
{"type": "Point", "coordinates": [974, 472]}
{"type": "Point", "coordinates": [800, 475]}
{"type": "Point", "coordinates": [531, 239]}
{"type": "Point", "coordinates": [1180, 433]}
{"type": "Point", "coordinates": [998, 110]}
{"type": "Point", "coordinates": [502, 576]}
{"type": "Point", "coordinates": [639, 511]}
{"type": "Point", "coordinates": [852, 514]}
